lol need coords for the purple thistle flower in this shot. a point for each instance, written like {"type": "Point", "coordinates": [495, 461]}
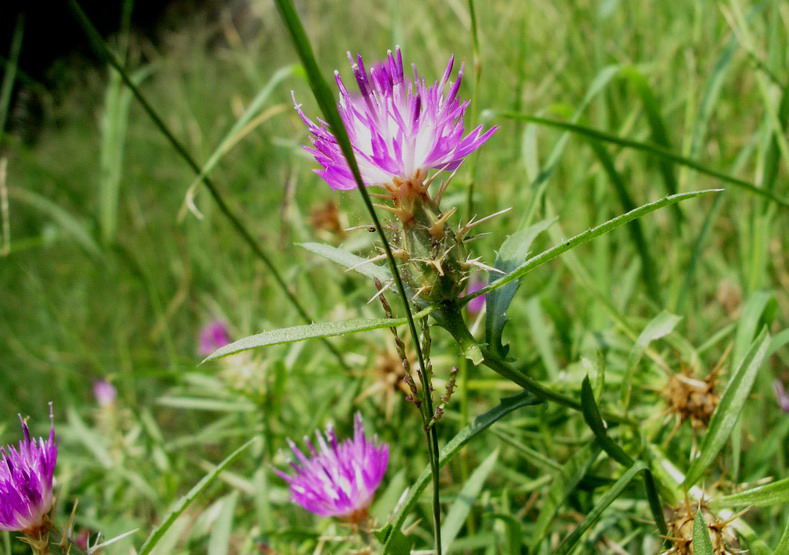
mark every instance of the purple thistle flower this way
{"type": "Point", "coordinates": [398, 129]}
{"type": "Point", "coordinates": [476, 304]}
{"type": "Point", "coordinates": [781, 396]}
{"type": "Point", "coordinates": [341, 479]}
{"type": "Point", "coordinates": [26, 481]}
{"type": "Point", "coordinates": [104, 392]}
{"type": "Point", "coordinates": [213, 336]}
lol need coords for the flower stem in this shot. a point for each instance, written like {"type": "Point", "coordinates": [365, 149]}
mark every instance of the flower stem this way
{"type": "Point", "coordinates": [451, 319]}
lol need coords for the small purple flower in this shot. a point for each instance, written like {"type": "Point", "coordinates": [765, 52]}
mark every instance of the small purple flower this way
{"type": "Point", "coordinates": [781, 396]}
{"type": "Point", "coordinates": [341, 479]}
{"type": "Point", "coordinates": [213, 336]}
{"type": "Point", "coordinates": [104, 392]}
{"type": "Point", "coordinates": [26, 481]}
{"type": "Point", "coordinates": [399, 129]}
{"type": "Point", "coordinates": [476, 304]}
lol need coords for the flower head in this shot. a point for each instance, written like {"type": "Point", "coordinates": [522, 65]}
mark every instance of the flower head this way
{"type": "Point", "coordinates": [341, 478]}
{"type": "Point", "coordinates": [399, 129]}
{"type": "Point", "coordinates": [26, 481]}
{"type": "Point", "coordinates": [104, 392]}
{"type": "Point", "coordinates": [213, 336]}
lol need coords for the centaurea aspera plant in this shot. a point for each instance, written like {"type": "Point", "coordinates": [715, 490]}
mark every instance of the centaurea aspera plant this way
{"type": "Point", "coordinates": [338, 479]}
{"type": "Point", "coordinates": [26, 473]}
{"type": "Point", "coordinates": [398, 131]}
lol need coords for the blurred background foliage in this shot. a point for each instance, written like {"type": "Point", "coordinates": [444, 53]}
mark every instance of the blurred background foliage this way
{"type": "Point", "coordinates": [111, 266]}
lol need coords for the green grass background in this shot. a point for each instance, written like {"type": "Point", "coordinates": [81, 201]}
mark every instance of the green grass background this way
{"type": "Point", "coordinates": [109, 275]}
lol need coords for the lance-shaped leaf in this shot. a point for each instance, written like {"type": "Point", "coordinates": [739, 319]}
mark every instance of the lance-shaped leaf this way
{"type": "Point", "coordinates": [511, 255]}
{"type": "Point", "coordinates": [585, 237]}
{"type": "Point", "coordinates": [311, 331]}
{"type": "Point", "coordinates": [350, 261]}
{"type": "Point", "coordinates": [776, 493]}
{"type": "Point", "coordinates": [702, 544]}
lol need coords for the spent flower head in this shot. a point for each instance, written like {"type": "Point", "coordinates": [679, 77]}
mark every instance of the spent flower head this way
{"type": "Point", "coordinates": [339, 478]}
{"type": "Point", "coordinates": [399, 128]}
{"type": "Point", "coordinates": [26, 473]}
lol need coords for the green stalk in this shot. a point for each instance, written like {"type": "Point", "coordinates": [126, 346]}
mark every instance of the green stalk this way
{"type": "Point", "coordinates": [451, 319]}
{"type": "Point", "coordinates": [327, 103]}
{"type": "Point", "coordinates": [101, 49]}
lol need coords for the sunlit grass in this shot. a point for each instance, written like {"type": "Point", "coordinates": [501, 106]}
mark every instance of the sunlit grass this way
{"type": "Point", "coordinates": [104, 286]}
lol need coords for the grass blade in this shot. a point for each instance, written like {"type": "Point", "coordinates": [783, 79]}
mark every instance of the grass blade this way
{"type": "Point", "coordinates": [187, 499]}
{"type": "Point", "coordinates": [450, 450]}
{"type": "Point", "coordinates": [648, 148]}
{"type": "Point", "coordinates": [460, 509]}
{"type": "Point", "coordinates": [783, 543]}
{"type": "Point", "coordinates": [616, 490]}
{"type": "Point", "coordinates": [594, 420]}
{"type": "Point", "coordinates": [775, 493]}
{"type": "Point", "coordinates": [649, 271]}
{"type": "Point", "coordinates": [728, 411]}
{"type": "Point", "coordinates": [585, 237]}
{"type": "Point", "coordinates": [10, 72]}
{"type": "Point", "coordinates": [564, 483]}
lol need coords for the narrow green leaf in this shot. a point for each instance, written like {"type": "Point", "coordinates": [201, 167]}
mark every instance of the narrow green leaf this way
{"type": "Point", "coordinates": [230, 138]}
{"type": "Point", "coordinates": [563, 484]}
{"type": "Point", "coordinates": [311, 331]}
{"type": "Point", "coordinates": [783, 543]}
{"type": "Point", "coordinates": [350, 261]}
{"type": "Point", "coordinates": [660, 326]}
{"type": "Point", "coordinates": [460, 509]}
{"type": "Point", "coordinates": [511, 255]}
{"type": "Point", "coordinates": [540, 181]}
{"type": "Point", "coordinates": [9, 72]}
{"type": "Point", "coordinates": [649, 272]}
{"type": "Point", "coordinates": [728, 411]}
{"type": "Point", "coordinates": [181, 505]}
{"type": "Point", "coordinates": [595, 422]}
{"type": "Point", "coordinates": [702, 544]}
{"type": "Point", "coordinates": [585, 237]}
{"type": "Point", "coordinates": [452, 448]}
{"type": "Point", "coordinates": [514, 528]}
{"type": "Point", "coordinates": [219, 540]}
{"type": "Point", "coordinates": [752, 312]}
{"type": "Point", "coordinates": [591, 518]}
{"type": "Point", "coordinates": [69, 224]}
{"type": "Point", "coordinates": [651, 149]}
{"type": "Point", "coordinates": [657, 128]}
{"type": "Point", "coordinates": [776, 493]}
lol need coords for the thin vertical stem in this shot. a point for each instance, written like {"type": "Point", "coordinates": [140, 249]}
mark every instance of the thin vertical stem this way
{"type": "Point", "coordinates": [101, 48]}
{"type": "Point", "coordinates": [326, 101]}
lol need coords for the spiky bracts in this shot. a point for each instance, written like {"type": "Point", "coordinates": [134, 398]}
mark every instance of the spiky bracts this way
{"type": "Point", "coordinates": [338, 479]}
{"type": "Point", "coordinates": [680, 530]}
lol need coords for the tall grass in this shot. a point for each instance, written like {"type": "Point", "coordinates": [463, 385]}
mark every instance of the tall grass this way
{"type": "Point", "coordinates": [111, 273]}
